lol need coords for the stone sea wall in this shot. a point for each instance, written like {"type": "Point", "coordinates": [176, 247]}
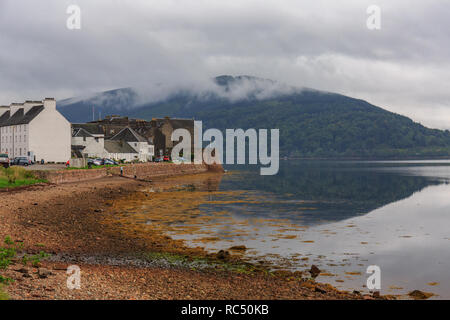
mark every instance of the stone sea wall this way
{"type": "Point", "coordinates": [140, 171]}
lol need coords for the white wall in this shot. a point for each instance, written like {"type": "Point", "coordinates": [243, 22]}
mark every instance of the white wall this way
{"type": "Point", "coordinates": [14, 140]}
{"type": "Point", "coordinates": [143, 148]}
{"type": "Point", "coordinates": [50, 135]}
{"type": "Point", "coordinates": [94, 147]}
{"type": "Point", "coordinates": [120, 156]}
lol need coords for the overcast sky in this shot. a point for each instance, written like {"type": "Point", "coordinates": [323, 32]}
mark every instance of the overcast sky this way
{"type": "Point", "coordinates": [326, 45]}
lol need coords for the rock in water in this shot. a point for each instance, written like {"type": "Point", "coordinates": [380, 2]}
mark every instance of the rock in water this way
{"type": "Point", "coordinates": [420, 295]}
{"type": "Point", "coordinates": [314, 271]}
{"type": "Point", "coordinates": [238, 248]}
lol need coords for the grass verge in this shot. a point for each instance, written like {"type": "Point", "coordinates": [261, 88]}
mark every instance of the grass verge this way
{"type": "Point", "coordinates": [13, 177]}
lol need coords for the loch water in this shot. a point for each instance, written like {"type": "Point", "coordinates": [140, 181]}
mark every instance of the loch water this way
{"type": "Point", "coordinates": [341, 216]}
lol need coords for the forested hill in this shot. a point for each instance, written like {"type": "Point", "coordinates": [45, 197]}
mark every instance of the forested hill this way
{"type": "Point", "coordinates": [312, 123]}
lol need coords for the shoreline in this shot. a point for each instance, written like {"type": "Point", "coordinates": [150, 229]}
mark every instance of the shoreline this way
{"type": "Point", "coordinates": [76, 224]}
{"type": "Point", "coordinates": [410, 158]}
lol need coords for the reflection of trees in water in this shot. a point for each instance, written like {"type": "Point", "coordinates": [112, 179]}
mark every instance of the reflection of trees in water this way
{"type": "Point", "coordinates": [340, 191]}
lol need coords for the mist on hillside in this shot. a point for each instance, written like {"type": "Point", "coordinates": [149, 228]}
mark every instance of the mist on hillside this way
{"type": "Point", "coordinates": [229, 88]}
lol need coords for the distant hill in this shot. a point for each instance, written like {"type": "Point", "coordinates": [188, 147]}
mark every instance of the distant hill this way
{"type": "Point", "coordinates": [312, 123]}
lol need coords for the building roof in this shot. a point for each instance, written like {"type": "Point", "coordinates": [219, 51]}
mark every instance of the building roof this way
{"type": "Point", "coordinates": [118, 146]}
{"type": "Point", "coordinates": [181, 123]}
{"type": "Point", "coordinates": [80, 132]}
{"type": "Point", "coordinates": [20, 117]}
{"type": "Point", "coordinates": [92, 128]}
{"type": "Point", "coordinates": [4, 117]}
{"type": "Point", "coordinates": [129, 135]}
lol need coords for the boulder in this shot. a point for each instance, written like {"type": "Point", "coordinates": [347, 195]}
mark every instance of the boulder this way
{"type": "Point", "coordinates": [314, 271]}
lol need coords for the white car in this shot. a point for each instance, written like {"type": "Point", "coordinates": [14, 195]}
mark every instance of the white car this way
{"type": "Point", "coordinates": [179, 160]}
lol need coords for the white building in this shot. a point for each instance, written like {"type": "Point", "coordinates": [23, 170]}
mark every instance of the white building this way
{"type": "Point", "coordinates": [35, 129]}
{"type": "Point", "coordinates": [89, 142]}
{"type": "Point", "coordinates": [89, 145]}
{"type": "Point", "coordinates": [144, 150]}
{"type": "Point", "coordinates": [120, 150]}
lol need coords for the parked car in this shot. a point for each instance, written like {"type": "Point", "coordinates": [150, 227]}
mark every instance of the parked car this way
{"type": "Point", "coordinates": [179, 160]}
{"type": "Point", "coordinates": [159, 159]}
{"type": "Point", "coordinates": [4, 160]}
{"type": "Point", "coordinates": [21, 161]}
{"type": "Point", "coordinates": [95, 162]}
{"type": "Point", "coordinates": [98, 162]}
{"type": "Point", "coordinates": [166, 158]}
{"type": "Point", "coordinates": [109, 162]}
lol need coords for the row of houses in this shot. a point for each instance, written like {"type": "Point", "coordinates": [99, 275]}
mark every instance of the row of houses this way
{"type": "Point", "coordinates": [127, 138]}
{"type": "Point", "coordinates": [126, 145]}
{"type": "Point", "coordinates": [36, 130]}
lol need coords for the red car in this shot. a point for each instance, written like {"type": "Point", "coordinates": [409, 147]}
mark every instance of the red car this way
{"type": "Point", "coordinates": [166, 158]}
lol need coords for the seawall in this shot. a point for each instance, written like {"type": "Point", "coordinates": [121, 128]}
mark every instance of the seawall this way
{"type": "Point", "coordinates": [140, 171]}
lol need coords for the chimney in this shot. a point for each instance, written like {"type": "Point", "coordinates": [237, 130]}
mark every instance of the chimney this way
{"type": "Point", "coordinates": [14, 107]}
{"type": "Point", "coordinates": [3, 109]}
{"type": "Point", "coordinates": [30, 104]}
{"type": "Point", "coordinates": [49, 103]}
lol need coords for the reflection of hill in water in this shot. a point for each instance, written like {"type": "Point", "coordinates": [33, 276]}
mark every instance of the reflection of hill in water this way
{"type": "Point", "coordinates": [332, 191]}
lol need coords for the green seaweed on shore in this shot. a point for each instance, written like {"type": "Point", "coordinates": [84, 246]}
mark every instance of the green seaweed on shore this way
{"type": "Point", "coordinates": [7, 253]}
{"type": "Point", "coordinates": [201, 263]}
{"type": "Point", "coordinates": [10, 250]}
{"type": "Point", "coordinates": [171, 258]}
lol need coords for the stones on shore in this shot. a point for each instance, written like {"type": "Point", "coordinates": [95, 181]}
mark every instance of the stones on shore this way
{"type": "Point", "coordinates": [314, 271]}
{"type": "Point", "coordinates": [223, 255]}
{"type": "Point", "coordinates": [25, 272]}
{"type": "Point", "coordinates": [320, 290]}
{"type": "Point", "coordinates": [44, 273]}
{"type": "Point", "coordinates": [22, 270]}
{"type": "Point", "coordinates": [60, 267]}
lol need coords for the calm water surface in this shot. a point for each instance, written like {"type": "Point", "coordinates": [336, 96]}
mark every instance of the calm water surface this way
{"type": "Point", "coordinates": [340, 216]}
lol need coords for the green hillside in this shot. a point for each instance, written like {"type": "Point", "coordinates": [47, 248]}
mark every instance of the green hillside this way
{"type": "Point", "coordinates": [312, 123]}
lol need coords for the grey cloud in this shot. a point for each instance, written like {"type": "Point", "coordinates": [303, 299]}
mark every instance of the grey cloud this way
{"type": "Point", "coordinates": [160, 46]}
